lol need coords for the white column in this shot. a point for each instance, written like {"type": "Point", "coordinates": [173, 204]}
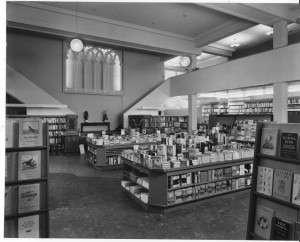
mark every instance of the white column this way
{"type": "Point", "coordinates": [193, 63]}
{"type": "Point", "coordinates": [280, 99]}
{"type": "Point", "coordinates": [192, 125]}
{"type": "Point", "coordinates": [280, 34]}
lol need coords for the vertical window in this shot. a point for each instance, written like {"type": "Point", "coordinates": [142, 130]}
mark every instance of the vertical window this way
{"type": "Point", "coordinates": [94, 70]}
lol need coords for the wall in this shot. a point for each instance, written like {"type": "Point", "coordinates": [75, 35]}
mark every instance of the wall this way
{"type": "Point", "coordinates": [40, 59]}
{"type": "Point", "coordinates": [279, 65]}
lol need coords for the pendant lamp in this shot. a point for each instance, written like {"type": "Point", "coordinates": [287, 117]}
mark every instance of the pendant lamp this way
{"type": "Point", "coordinates": [76, 44]}
{"type": "Point", "coordinates": [185, 60]}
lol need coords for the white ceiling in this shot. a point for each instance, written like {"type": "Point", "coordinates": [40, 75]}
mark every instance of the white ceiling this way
{"type": "Point", "coordinates": [212, 26]}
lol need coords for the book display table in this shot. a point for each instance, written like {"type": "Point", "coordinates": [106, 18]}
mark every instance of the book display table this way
{"type": "Point", "coordinates": [101, 156]}
{"type": "Point", "coordinates": [164, 190]}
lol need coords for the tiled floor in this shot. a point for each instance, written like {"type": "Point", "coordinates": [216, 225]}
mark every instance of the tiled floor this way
{"type": "Point", "coordinates": [89, 203]}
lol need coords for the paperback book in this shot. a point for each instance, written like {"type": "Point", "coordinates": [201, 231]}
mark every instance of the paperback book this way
{"type": "Point", "coordinates": [281, 229]}
{"type": "Point", "coordinates": [269, 141]}
{"type": "Point", "coordinates": [28, 227]}
{"type": "Point", "coordinates": [289, 145]}
{"type": "Point", "coordinates": [30, 132]}
{"type": "Point", "coordinates": [29, 165]}
{"type": "Point", "coordinates": [296, 189]}
{"type": "Point", "coordinates": [282, 185]}
{"type": "Point", "coordinates": [29, 198]}
{"type": "Point", "coordinates": [263, 221]}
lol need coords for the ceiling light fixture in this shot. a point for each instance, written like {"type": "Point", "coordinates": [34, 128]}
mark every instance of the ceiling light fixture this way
{"type": "Point", "coordinates": [235, 45]}
{"type": "Point", "coordinates": [269, 33]}
{"type": "Point", "coordinates": [185, 60]}
{"type": "Point", "coordinates": [76, 44]}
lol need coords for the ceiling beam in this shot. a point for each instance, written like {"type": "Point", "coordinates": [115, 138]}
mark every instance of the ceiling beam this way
{"type": "Point", "coordinates": [259, 13]}
{"type": "Point", "coordinates": [220, 32]}
{"type": "Point", "coordinates": [210, 49]}
{"type": "Point", "coordinates": [281, 11]}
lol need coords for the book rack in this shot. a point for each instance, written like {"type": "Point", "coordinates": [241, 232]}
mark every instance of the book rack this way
{"type": "Point", "coordinates": [281, 208]}
{"type": "Point", "coordinates": [26, 195]}
{"type": "Point", "coordinates": [163, 195]}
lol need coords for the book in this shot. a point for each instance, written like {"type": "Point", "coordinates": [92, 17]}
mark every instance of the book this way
{"type": "Point", "coordinates": [263, 221]}
{"type": "Point", "coordinates": [269, 141]}
{"type": "Point", "coordinates": [289, 145]}
{"type": "Point", "coordinates": [282, 185]}
{"type": "Point", "coordinates": [29, 165]}
{"type": "Point", "coordinates": [9, 133]}
{"type": "Point", "coordinates": [28, 227]}
{"type": "Point", "coordinates": [297, 231]}
{"type": "Point", "coordinates": [29, 198]}
{"type": "Point", "coordinates": [281, 229]}
{"type": "Point", "coordinates": [30, 132]}
{"type": "Point", "coordinates": [264, 180]}
{"type": "Point", "coordinates": [296, 189]}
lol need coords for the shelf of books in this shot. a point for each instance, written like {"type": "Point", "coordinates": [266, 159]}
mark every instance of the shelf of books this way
{"type": "Point", "coordinates": [159, 181]}
{"type": "Point", "coordinates": [274, 209]}
{"type": "Point", "coordinates": [26, 178]}
{"type": "Point", "coordinates": [102, 152]}
{"type": "Point", "coordinates": [167, 124]}
{"type": "Point", "coordinates": [163, 123]}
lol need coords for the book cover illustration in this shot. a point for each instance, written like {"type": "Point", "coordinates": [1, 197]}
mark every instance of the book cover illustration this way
{"type": "Point", "coordinates": [297, 231]}
{"type": "Point", "coordinates": [263, 221]}
{"type": "Point", "coordinates": [264, 180]}
{"type": "Point", "coordinates": [30, 132]}
{"type": "Point", "coordinates": [29, 165]}
{"type": "Point", "coordinates": [29, 198]}
{"type": "Point", "coordinates": [282, 185]}
{"type": "Point", "coordinates": [296, 189]}
{"type": "Point", "coordinates": [269, 141]}
{"type": "Point", "coordinates": [281, 229]}
{"type": "Point", "coordinates": [28, 227]}
{"type": "Point", "coordinates": [289, 145]}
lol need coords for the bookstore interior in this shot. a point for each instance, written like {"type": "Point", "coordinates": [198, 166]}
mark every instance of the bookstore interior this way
{"type": "Point", "coordinates": [124, 126]}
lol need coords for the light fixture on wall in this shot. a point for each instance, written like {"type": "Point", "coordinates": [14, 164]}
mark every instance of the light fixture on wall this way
{"type": "Point", "coordinates": [185, 60]}
{"type": "Point", "coordinates": [76, 44]}
{"type": "Point", "coordinates": [235, 44]}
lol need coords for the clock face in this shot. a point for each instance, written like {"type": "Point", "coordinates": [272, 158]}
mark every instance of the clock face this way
{"type": "Point", "coordinates": [185, 61]}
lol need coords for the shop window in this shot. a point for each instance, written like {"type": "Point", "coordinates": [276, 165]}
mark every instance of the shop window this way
{"type": "Point", "coordinates": [94, 70]}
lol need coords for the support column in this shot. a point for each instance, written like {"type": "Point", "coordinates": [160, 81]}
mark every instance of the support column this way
{"type": "Point", "coordinates": [280, 34]}
{"type": "Point", "coordinates": [193, 63]}
{"type": "Point", "coordinates": [192, 125]}
{"type": "Point", "coordinates": [280, 99]}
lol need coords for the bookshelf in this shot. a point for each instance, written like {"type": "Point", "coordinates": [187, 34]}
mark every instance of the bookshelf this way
{"type": "Point", "coordinates": [105, 156]}
{"type": "Point", "coordinates": [167, 124]}
{"type": "Point", "coordinates": [277, 201]}
{"type": "Point", "coordinates": [164, 123]}
{"type": "Point", "coordinates": [231, 119]}
{"type": "Point", "coordinates": [163, 191]}
{"type": "Point", "coordinates": [251, 107]}
{"type": "Point", "coordinates": [26, 187]}
{"type": "Point", "coordinates": [58, 125]}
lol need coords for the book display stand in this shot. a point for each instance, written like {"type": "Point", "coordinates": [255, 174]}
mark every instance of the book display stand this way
{"type": "Point", "coordinates": [274, 209]}
{"type": "Point", "coordinates": [26, 179]}
{"type": "Point", "coordinates": [165, 190]}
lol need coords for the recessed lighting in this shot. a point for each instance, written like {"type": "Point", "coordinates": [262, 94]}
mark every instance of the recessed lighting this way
{"type": "Point", "coordinates": [234, 45]}
{"type": "Point", "coordinates": [269, 33]}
